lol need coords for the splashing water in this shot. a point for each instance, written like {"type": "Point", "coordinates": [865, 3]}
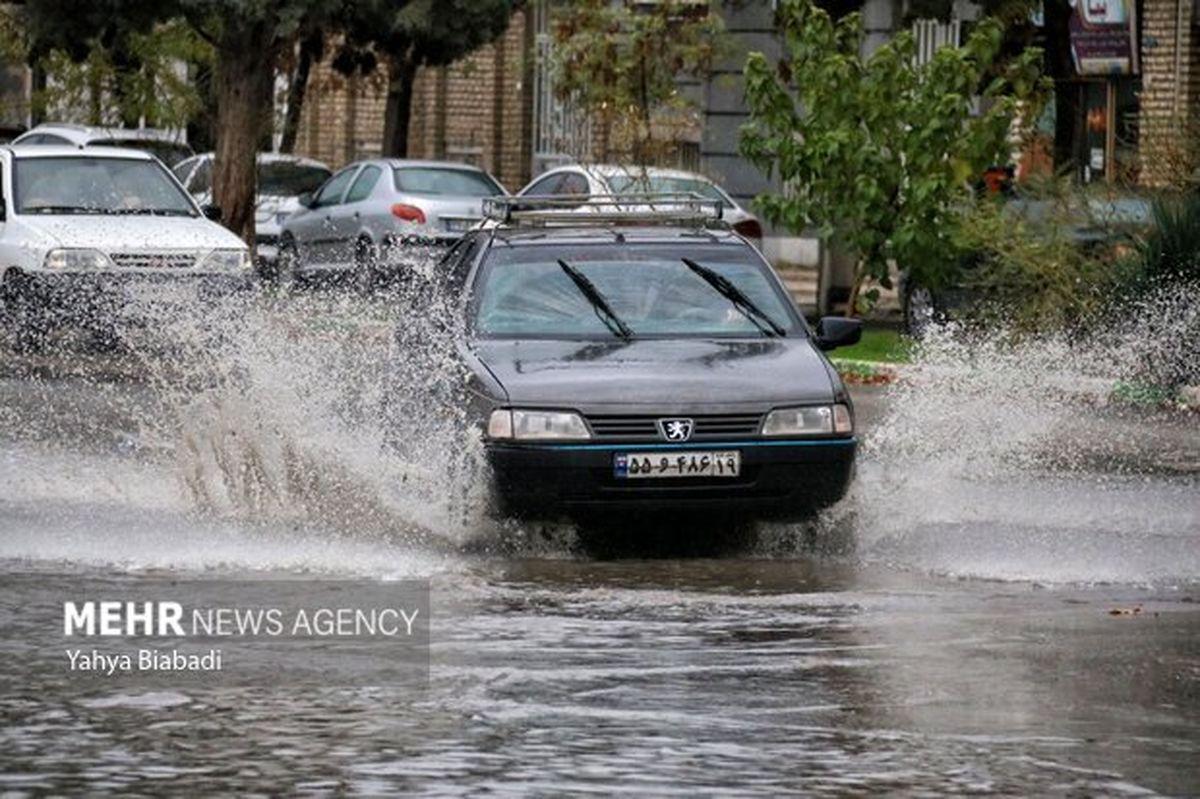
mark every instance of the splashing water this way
{"type": "Point", "coordinates": [277, 409]}
{"type": "Point", "coordinates": [1005, 457]}
{"type": "Point", "coordinates": [333, 414]}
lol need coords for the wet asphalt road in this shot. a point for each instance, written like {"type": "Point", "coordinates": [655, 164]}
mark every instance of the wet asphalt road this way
{"type": "Point", "coordinates": [1028, 630]}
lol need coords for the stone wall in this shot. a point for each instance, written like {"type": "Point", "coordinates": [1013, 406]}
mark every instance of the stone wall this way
{"type": "Point", "coordinates": [476, 110]}
{"type": "Point", "coordinates": [1169, 116]}
{"type": "Point", "coordinates": [342, 119]}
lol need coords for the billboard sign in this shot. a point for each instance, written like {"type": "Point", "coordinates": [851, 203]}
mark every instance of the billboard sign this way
{"type": "Point", "coordinates": [1104, 37]}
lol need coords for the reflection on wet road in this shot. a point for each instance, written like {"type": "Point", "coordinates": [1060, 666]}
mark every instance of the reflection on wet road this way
{"type": "Point", "coordinates": [968, 644]}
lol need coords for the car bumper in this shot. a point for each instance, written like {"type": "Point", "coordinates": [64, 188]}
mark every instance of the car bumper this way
{"type": "Point", "coordinates": [266, 249]}
{"type": "Point", "coordinates": [787, 480]}
{"type": "Point", "coordinates": [85, 296]}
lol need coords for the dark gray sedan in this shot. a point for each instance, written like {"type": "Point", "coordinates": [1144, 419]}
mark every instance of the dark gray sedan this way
{"type": "Point", "coordinates": [640, 367]}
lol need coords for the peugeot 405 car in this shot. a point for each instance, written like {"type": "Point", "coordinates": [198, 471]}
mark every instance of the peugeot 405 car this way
{"type": "Point", "coordinates": [645, 361]}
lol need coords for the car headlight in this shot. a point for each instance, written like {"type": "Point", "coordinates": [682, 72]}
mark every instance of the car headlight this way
{"type": "Point", "coordinates": [811, 420]}
{"type": "Point", "coordinates": [227, 260]}
{"type": "Point", "coordinates": [536, 425]}
{"type": "Point", "coordinates": [76, 259]}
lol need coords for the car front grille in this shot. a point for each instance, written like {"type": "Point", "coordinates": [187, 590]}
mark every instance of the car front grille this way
{"type": "Point", "coordinates": [706, 427]}
{"type": "Point", "coordinates": [154, 260]}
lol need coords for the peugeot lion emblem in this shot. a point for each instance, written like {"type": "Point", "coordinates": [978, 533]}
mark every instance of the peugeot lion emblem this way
{"type": "Point", "coordinates": [675, 429]}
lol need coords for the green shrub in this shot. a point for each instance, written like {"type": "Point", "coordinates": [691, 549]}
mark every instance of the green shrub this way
{"type": "Point", "coordinates": [1171, 250]}
{"type": "Point", "coordinates": [1030, 273]}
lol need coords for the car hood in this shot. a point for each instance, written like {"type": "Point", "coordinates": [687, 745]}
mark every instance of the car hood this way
{"type": "Point", "coordinates": [678, 374]}
{"type": "Point", "coordinates": [109, 233]}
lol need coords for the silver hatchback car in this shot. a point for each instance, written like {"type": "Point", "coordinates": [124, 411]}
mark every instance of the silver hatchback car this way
{"type": "Point", "coordinates": [374, 216]}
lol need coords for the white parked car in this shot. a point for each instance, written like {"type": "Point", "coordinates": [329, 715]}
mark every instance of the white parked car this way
{"type": "Point", "coordinates": [613, 179]}
{"type": "Point", "coordinates": [162, 144]}
{"type": "Point", "coordinates": [88, 236]}
{"type": "Point", "coordinates": [367, 214]}
{"type": "Point", "coordinates": [282, 180]}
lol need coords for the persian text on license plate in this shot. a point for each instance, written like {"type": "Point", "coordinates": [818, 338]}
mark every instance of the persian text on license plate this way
{"type": "Point", "coordinates": [677, 464]}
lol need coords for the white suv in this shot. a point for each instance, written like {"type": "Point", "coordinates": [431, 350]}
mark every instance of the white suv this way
{"type": "Point", "coordinates": [86, 235]}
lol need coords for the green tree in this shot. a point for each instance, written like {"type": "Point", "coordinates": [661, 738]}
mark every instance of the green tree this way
{"type": "Point", "coordinates": [878, 148]}
{"type": "Point", "coordinates": [132, 79]}
{"type": "Point", "coordinates": [621, 64]}
{"type": "Point", "coordinates": [247, 38]}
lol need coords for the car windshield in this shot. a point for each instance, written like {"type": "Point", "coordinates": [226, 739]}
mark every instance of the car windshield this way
{"type": "Point", "coordinates": [448, 182]}
{"type": "Point", "coordinates": [525, 292]}
{"type": "Point", "coordinates": [643, 184]}
{"type": "Point", "coordinates": [89, 185]}
{"type": "Point", "coordinates": [170, 153]}
{"type": "Point", "coordinates": [289, 179]}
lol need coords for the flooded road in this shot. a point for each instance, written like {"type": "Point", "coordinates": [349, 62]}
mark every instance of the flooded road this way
{"type": "Point", "coordinates": [1017, 614]}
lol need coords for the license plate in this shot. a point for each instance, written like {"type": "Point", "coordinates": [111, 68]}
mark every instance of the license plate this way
{"type": "Point", "coordinates": [640, 465]}
{"type": "Point", "coordinates": [458, 225]}
{"type": "Point", "coordinates": [161, 293]}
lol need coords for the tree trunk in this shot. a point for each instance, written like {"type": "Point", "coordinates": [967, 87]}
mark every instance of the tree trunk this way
{"type": "Point", "coordinates": [125, 64]}
{"type": "Point", "coordinates": [860, 275]}
{"type": "Point", "coordinates": [401, 73]}
{"type": "Point", "coordinates": [245, 75]}
{"type": "Point", "coordinates": [95, 91]}
{"type": "Point", "coordinates": [310, 50]}
{"type": "Point", "coordinates": [37, 79]}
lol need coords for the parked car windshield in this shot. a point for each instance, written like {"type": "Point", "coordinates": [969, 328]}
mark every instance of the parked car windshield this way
{"type": "Point", "coordinates": [524, 292]}
{"type": "Point", "coordinates": [448, 182]}
{"type": "Point", "coordinates": [287, 179]}
{"type": "Point", "coordinates": [83, 185]}
{"type": "Point", "coordinates": [637, 184]}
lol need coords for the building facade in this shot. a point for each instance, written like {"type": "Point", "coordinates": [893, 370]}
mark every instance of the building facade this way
{"type": "Point", "coordinates": [477, 110]}
{"type": "Point", "coordinates": [1168, 97]}
{"type": "Point", "coordinates": [1138, 119]}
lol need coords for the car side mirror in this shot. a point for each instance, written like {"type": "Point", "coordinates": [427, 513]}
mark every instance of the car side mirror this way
{"type": "Point", "coordinates": [211, 211]}
{"type": "Point", "coordinates": [838, 331]}
{"type": "Point", "coordinates": [305, 199]}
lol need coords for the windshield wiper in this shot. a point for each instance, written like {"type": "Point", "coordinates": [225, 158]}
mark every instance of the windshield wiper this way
{"type": "Point", "coordinates": [149, 212]}
{"type": "Point", "coordinates": [59, 209]}
{"type": "Point", "coordinates": [722, 284]}
{"type": "Point", "coordinates": [600, 305]}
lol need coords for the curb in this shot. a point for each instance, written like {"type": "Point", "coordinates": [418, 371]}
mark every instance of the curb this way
{"type": "Point", "coordinates": [868, 373]}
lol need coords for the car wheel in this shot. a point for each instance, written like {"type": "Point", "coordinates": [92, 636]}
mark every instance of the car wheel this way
{"type": "Point", "coordinates": [365, 260]}
{"type": "Point", "coordinates": [285, 266]}
{"type": "Point", "coordinates": [919, 310]}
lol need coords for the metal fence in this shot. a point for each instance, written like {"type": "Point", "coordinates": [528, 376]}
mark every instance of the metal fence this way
{"type": "Point", "coordinates": [562, 131]}
{"type": "Point", "coordinates": [931, 35]}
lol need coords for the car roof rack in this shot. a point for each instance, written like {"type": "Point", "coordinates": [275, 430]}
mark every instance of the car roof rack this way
{"type": "Point", "coordinates": [685, 208]}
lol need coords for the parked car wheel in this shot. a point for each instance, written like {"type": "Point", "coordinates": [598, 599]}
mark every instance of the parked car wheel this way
{"type": "Point", "coordinates": [285, 265]}
{"type": "Point", "coordinates": [366, 258]}
{"type": "Point", "coordinates": [920, 311]}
